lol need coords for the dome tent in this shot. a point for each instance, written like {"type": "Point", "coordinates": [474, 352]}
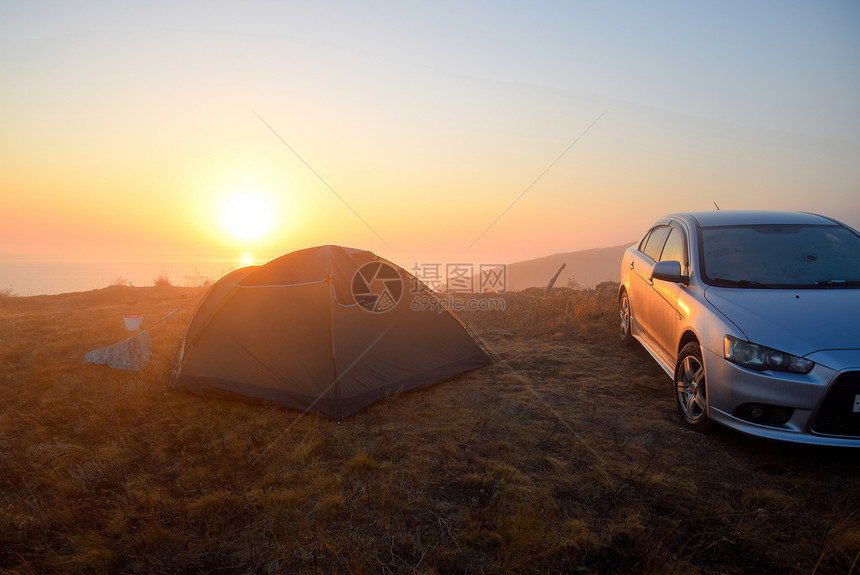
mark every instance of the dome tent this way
{"type": "Point", "coordinates": [327, 330]}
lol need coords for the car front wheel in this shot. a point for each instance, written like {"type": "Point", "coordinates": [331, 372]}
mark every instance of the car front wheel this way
{"type": "Point", "coordinates": [691, 389]}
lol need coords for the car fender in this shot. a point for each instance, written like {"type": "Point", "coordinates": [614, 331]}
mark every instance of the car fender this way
{"type": "Point", "coordinates": [709, 327]}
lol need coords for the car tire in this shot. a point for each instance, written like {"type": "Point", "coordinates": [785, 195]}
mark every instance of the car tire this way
{"type": "Point", "coordinates": [691, 389]}
{"type": "Point", "coordinates": [625, 319]}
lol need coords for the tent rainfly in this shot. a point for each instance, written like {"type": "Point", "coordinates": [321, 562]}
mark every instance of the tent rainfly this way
{"type": "Point", "coordinates": [328, 330]}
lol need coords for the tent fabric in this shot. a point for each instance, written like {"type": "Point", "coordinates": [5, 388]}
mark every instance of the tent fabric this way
{"type": "Point", "coordinates": [127, 354]}
{"type": "Point", "coordinates": [292, 332]}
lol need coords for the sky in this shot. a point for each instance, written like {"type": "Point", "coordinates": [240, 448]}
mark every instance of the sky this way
{"type": "Point", "coordinates": [422, 131]}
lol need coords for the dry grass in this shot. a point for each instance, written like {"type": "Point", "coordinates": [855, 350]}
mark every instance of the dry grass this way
{"type": "Point", "coordinates": [565, 457]}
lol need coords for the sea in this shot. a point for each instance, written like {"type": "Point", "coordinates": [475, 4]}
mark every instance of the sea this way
{"type": "Point", "coordinates": [30, 278]}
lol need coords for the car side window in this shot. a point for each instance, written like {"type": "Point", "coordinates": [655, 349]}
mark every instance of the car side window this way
{"type": "Point", "coordinates": [653, 244]}
{"type": "Point", "coordinates": [641, 246]}
{"type": "Point", "coordinates": [674, 249]}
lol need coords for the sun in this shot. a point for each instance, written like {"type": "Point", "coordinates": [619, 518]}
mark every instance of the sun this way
{"type": "Point", "coordinates": [247, 216]}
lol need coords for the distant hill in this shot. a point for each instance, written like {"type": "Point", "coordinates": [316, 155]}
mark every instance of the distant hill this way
{"type": "Point", "coordinates": [587, 268]}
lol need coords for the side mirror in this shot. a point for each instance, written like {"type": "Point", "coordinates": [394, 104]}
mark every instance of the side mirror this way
{"type": "Point", "coordinates": [669, 271]}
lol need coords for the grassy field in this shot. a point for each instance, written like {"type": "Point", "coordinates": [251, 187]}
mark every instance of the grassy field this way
{"type": "Point", "coordinates": [564, 457]}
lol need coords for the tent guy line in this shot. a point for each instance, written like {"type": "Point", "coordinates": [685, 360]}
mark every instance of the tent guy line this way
{"type": "Point", "coordinates": [537, 179]}
{"type": "Point", "coordinates": [320, 178]}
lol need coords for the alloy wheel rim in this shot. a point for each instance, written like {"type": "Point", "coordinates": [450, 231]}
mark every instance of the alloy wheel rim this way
{"type": "Point", "coordinates": [624, 312]}
{"type": "Point", "coordinates": [691, 389]}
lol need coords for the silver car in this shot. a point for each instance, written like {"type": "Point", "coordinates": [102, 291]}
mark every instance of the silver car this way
{"type": "Point", "coordinates": [756, 317]}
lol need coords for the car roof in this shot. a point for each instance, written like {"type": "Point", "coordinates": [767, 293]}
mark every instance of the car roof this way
{"type": "Point", "coordinates": [751, 217]}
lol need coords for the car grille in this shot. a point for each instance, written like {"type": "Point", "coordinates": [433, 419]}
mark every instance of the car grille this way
{"type": "Point", "coordinates": [835, 416]}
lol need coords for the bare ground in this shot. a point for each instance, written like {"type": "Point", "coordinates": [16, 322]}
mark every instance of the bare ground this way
{"type": "Point", "coordinates": [564, 457]}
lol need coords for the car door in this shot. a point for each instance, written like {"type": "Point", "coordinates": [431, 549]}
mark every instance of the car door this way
{"type": "Point", "coordinates": [663, 312]}
{"type": "Point", "coordinates": [641, 263]}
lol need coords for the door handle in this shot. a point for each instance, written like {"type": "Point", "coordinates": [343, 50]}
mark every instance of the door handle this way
{"type": "Point", "coordinates": [632, 264]}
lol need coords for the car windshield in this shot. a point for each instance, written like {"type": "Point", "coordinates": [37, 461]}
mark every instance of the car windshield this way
{"type": "Point", "coordinates": [780, 256]}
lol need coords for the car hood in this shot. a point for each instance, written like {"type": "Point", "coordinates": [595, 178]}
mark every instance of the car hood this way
{"type": "Point", "coordinates": [799, 322]}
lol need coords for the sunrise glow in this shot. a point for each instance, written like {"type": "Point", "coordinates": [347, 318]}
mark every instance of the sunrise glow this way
{"type": "Point", "coordinates": [247, 216]}
{"type": "Point", "coordinates": [418, 133]}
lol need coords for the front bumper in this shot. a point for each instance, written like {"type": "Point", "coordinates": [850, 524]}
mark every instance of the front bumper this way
{"type": "Point", "coordinates": [785, 406]}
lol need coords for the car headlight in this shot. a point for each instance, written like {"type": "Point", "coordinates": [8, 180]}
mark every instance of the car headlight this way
{"type": "Point", "coordinates": [759, 357]}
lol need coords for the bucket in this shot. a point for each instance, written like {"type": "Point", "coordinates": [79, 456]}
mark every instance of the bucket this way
{"type": "Point", "coordinates": [132, 322]}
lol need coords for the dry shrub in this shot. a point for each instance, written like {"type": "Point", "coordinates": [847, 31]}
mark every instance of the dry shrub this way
{"type": "Point", "coordinates": [161, 281]}
{"type": "Point", "coordinates": [361, 463]}
{"type": "Point", "coordinates": [530, 313]}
